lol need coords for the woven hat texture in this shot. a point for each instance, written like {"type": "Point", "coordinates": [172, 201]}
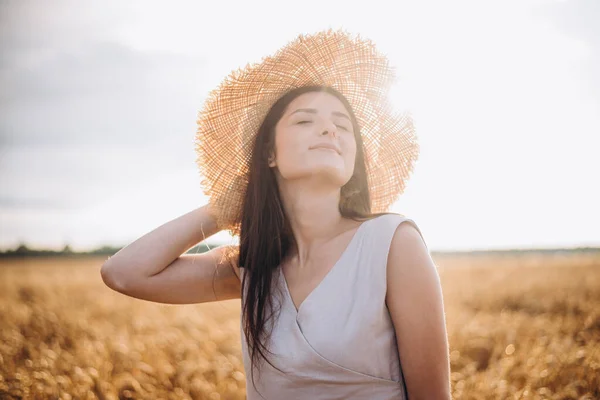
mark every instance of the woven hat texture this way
{"type": "Point", "coordinates": [233, 112]}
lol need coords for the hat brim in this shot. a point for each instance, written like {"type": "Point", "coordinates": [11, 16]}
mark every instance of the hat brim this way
{"type": "Point", "coordinates": [234, 111]}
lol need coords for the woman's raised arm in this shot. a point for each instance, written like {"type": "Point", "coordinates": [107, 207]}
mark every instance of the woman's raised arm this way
{"type": "Point", "coordinates": [155, 268]}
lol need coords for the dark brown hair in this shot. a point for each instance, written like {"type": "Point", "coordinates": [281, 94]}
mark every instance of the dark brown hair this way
{"type": "Point", "coordinates": [265, 234]}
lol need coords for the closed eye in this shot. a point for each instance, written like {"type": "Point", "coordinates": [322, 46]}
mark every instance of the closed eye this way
{"type": "Point", "coordinates": [308, 122]}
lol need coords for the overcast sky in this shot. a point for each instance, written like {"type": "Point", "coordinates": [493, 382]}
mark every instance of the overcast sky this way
{"type": "Point", "coordinates": [99, 101]}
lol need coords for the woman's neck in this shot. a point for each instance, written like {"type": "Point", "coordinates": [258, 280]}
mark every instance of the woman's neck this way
{"type": "Point", "coordinates": [314, 217]}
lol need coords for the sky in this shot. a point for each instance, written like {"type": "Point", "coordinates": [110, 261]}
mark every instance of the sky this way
{"type": "Point", "coordinates": [99, 102]}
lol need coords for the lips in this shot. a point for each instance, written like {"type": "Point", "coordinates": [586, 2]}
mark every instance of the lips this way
{"type": "Point", "coordinates": [330, 146]}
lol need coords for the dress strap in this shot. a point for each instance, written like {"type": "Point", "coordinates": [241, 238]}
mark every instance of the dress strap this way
{"type": "Point", "coordinates": [387, 226]}
{"type": "Point", "coordinates": [377, 244]}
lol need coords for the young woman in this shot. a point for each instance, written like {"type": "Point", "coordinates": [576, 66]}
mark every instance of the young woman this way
{"type": "Point", "coordinates": [301, 156]}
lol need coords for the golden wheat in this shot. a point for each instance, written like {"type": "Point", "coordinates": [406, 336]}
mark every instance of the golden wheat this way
{"type": "Point", "coordinates": [520, 327]}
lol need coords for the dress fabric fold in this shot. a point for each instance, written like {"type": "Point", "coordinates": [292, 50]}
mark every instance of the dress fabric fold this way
{"type": "Point", "coordinates": [341, 342]}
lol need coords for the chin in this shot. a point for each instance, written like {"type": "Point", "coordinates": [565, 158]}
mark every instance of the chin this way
{"type": "Point", "coordinates": [334, 171]}
{"type": "Point", "coordinates": [331, 174]}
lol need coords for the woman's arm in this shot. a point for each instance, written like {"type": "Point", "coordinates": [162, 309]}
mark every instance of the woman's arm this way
{"type": "Point", "coordinates": [414, 298]}
{"type": "Point", "coordinates": [154, 267]}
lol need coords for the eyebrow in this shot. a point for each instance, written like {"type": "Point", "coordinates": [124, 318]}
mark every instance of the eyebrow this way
{"type": "Point", "coordinates": [314, 111]}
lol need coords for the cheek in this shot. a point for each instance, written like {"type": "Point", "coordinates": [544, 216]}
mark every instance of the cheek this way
{"type": "Point", "coordinates": [288, 150]}
{"type": "Point", "coordinates": [350, 153]}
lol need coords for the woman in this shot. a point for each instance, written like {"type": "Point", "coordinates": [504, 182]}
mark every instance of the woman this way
{"type": "Point", "coordinates": [301, 156]}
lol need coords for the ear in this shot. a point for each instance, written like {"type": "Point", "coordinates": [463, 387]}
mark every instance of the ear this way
{"type": "Point", "coordinates": [271, 160]}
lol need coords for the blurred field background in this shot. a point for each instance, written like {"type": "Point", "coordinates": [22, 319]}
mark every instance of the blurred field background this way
{"type": "Point", "coordinates": [98, 115]}
{"type": "Point", "coordinates": [521, 326]}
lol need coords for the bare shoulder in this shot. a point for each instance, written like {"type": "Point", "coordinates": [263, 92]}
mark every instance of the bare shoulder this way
{"type": "Point", "coordinates": [410, 267]}
{"type": "Point", "coordinates": [409, 262]}
{"type": "Point", "coordinates": [408, 241]}
{"type": "Point", "coordinates": [415, 302]}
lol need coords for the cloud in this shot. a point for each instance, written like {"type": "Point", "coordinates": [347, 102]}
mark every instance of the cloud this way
{"type": "Point", "coordinates": [82, 115]}
{"type": "Point", "coordinates": [100, 94]}
{"type": "Point", "coordinates": [94, 119]}
{"type": "Point", "coordinates": [67, 78]}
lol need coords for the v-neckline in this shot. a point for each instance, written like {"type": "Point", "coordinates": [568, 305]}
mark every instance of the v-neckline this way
{"type": "Point", "coordinates": [339, 260]}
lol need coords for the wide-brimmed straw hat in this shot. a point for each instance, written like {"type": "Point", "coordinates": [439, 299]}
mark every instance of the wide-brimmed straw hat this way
{"type": "Point", "coordinates": [233, 112]}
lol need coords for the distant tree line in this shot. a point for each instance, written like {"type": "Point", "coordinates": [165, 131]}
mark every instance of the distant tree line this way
{"type": "Point", "coordinates": [22, 250]}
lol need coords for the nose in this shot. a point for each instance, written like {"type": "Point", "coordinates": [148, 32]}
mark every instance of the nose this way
{"type": "Point", "coordinates": [330, 128]}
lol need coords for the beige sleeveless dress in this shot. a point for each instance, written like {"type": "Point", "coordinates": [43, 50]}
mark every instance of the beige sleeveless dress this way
{"type": "Point", "coordinates": [340, 343]}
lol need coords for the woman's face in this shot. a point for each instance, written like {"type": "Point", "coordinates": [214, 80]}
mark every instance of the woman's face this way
{"type": "Point", "coordinates": [313, 120]}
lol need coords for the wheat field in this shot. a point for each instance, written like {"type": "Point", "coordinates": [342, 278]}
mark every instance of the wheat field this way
{"type": "Point", "coordinates": [519, 326]}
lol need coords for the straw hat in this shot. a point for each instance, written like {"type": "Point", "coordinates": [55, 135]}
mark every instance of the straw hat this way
{"type": "Point", "coordinates": [233, 112]}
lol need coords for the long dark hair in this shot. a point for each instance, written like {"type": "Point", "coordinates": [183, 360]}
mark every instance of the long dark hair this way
{"type": "Point", "coordinates": [265, 234]}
